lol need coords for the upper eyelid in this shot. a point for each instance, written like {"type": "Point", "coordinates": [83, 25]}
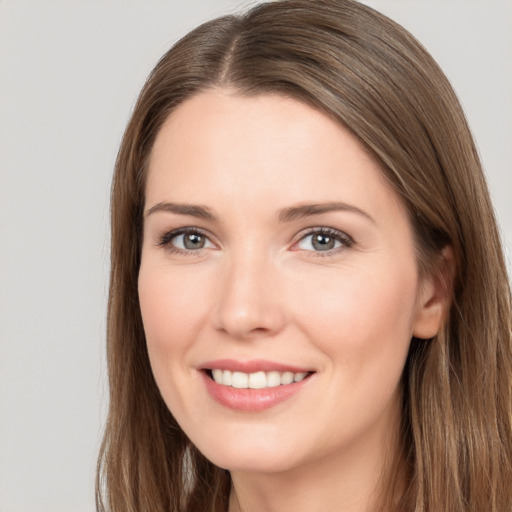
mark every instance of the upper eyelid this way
{"type": "Point", "coordinates": [342, 235]}
{"type": "Point", "coordinates": [169, 235]}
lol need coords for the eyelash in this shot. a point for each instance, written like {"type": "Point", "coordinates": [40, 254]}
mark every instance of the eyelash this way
{"type": "Point", "coordinates": [345, 240]}
{"type": "Point", "coordinates": [166, 240]}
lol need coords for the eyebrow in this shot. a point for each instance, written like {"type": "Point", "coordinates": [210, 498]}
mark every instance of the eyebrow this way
{"type": "Point", "coordinates": [306, 210]}
{"type": "Point", "coordinates": [285, 215]}
{"type": "Point", "coordinates": [193, 210]}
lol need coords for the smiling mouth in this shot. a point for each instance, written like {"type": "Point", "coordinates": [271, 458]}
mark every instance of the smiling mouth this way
{"type": "Point", "coordinates": [257, 380]}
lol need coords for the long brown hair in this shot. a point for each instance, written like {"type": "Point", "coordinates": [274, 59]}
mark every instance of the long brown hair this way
{"type": "Point", "coordinates": [369, 74]}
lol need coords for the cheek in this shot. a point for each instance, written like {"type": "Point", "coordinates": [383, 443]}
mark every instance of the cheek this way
{"type": "Point", "coordinates": [379, 298]}
{"type": "Point", "coordinates": [172, 307]}
{"type": "Point", "coordinates": [171, 304]}
{"type": "Point", "coordinates": [362, 319]}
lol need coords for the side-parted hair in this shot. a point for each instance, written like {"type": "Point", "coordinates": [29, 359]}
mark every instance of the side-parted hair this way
{"type": "Point", "coordinates": [370, 75]}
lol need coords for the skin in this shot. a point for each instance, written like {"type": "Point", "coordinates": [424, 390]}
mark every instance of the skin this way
{"type": "Point", "coordinates": [259, 289]}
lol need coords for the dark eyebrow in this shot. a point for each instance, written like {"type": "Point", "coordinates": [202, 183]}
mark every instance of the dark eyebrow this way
{"type": "Point", "coordinates": [305, 210]}
{"type": "Point", "coordinates": [193, 210]}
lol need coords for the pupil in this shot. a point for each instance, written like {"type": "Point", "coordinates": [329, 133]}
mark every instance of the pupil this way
{"type": "Point", "coordinates": [193, 241]}
{"type": "Point", "coordinates": [323, 242]}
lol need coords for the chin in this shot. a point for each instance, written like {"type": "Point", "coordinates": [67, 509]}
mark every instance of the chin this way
{"type": "Point", "coordinates": [248, 453]}
{"type": "Point", "coordinates": [253, 462]}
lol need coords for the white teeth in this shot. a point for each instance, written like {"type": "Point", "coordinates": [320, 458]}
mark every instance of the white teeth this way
{"type": "Point", "coordinates": [240, 380]}
{"type": "Point", "coordinates": [299, 376]}
{"type": "Point", "coordinates": [273, 379]}
{"type": "Point", "coordinates": [227, 377]}
{"type": "Point", "coordinates": [258, 380]}
{"type": "Point", "coordinates": [287, 378]}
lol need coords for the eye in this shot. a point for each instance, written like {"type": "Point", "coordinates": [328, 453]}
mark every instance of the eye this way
{"type": "Point", "coordinates": [324, 240]}
{"type": "Point", "coordinates": [185, 240]}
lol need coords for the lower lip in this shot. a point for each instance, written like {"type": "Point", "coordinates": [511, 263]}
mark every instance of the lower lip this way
{"type": "Point", "coordinates": [251, 400]}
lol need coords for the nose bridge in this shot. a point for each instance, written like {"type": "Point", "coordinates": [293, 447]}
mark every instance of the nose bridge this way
{"type": "Point", "coordinates": [248, 301]}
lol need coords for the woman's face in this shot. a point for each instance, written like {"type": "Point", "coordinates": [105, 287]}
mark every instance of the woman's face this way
{"type": "Point", "coordinates": [275, 251]}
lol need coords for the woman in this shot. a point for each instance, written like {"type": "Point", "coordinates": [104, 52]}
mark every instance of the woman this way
{"type": "Point", "coordinates": [309, 307]}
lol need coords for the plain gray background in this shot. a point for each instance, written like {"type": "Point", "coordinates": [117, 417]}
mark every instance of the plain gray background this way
{"type": "Point", "coordinates": [70, 72]}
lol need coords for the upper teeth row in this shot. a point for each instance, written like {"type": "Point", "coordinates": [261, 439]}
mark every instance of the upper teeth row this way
{"type": "Point", "coordinates": [258, 380]}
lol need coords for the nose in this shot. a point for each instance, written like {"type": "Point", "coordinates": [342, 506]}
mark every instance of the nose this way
{"type": "Point", "coordinates": [249, 303]}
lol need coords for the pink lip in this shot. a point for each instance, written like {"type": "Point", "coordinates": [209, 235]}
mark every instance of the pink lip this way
{"type": "Point", "coordinates": [253, 366]}
{"type": "Point", "coordinates": [251, 400]}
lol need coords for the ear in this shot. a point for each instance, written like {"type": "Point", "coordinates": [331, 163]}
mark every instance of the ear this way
{"type": "Point", "coordinates": [435, 296]}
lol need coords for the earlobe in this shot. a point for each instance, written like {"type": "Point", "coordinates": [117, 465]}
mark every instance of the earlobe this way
{"type": "Point", "coordinates": [435, 297]}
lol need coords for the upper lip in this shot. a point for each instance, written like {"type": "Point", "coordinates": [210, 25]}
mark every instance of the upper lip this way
{"type": "Point", "coordinates": [252, 366]}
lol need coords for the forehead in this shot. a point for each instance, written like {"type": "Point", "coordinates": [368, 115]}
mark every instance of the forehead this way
{"type": "Point", "coordinates": [260, 150]}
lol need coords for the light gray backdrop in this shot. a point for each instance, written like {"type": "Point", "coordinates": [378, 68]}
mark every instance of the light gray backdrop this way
{"type": "Point", "coordinates": [69, 74]}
